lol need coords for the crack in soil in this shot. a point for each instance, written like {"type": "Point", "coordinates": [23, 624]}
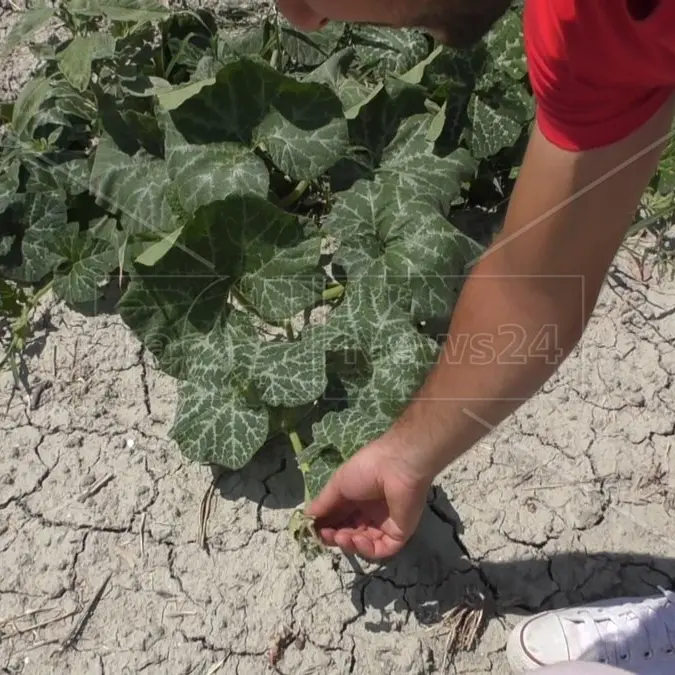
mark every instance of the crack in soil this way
{"type": "Point", "coordinates": [475, 564]}
{"type": "Point", "coordinates": [17, 499]}
{"type": "Point", "coordinates": [144, 381]}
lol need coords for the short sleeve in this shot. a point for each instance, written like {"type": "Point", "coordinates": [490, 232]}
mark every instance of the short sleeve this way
{"type": "Point", "coordinates": [571, 55]}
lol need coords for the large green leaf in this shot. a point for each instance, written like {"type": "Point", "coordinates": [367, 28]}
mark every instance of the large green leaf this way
{"type": "Point", "coordinates": [401, 361]}
{"type": "Point", "coordinates": [243, 93]}
{"type": "Point", "coordinates": [291, 374]}
{"type": "Point", "coordinates": [32, 96]}
{"type": "Point", "coordinates": [310, 48]}
{"type": "Point", "coordinates": [243, 240]}
{"type": "Point", "coordinates": [51, 244]}
{"type": "Point", "coordinates": [491, 130]}
{"type": "Point", "coordinates": [505, 44]}
{"type": "Point", "coordinates": [214, 424]}
{"type": "Point", "coordinates": [65, 106]}
{"type": "Point", "coordinates": [303, 154]}
{"type": "Point", "coordinates": [90, 262]}
{"type": "Point", "coordinates": [231, 374]}
{"type": "Point", "coordinates": [387, 50]}
{"type": "Point", "coordinates": [211, 172]}
{"type": "Point", "coordinates": [349, 430]}
{"type": "Point", "coordinates": [47, 228]}
{"type": "Point", "coordinates": [71, 176]}
{"type": "Point", "coordinates": [410, 161]}
{"type": "Point", "coordinates": [396, 232]}
{"type": "Point", "coordinates": [136, 186]}
{"type": "Point", "coordinates": [184, 294]}
{"type": "Point", "coordinates": [75, 61]}
{"type": "Point", "coordinates": [373, 305]}
{"type": "Point", "coordinates": [217, 419]}
{"type": "Point", "coordinates": [280, 274]}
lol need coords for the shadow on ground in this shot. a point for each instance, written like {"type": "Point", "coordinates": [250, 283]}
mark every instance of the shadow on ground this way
{"type": "Point", "coordinates": [273, 474]}
{"type": "Point", "coordinates": [435, 573]}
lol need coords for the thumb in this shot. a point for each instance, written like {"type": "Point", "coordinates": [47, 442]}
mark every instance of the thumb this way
{"type": "Point", "coordinates": [328, 502]}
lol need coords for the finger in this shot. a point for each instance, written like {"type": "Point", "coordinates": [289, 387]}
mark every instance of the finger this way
{"type": "Point", "coordinates": [345, 542]}
{"type": "Point", "coordinates": [374, 532]}
{"type": "Point", "coordinates": [329, 503]}
{"type": "Point", "coordinates": [364, 545]}
{"type": "Point", "coordinates": [387, 547]}
{"type": "Point", "coordinates": [327, 535]}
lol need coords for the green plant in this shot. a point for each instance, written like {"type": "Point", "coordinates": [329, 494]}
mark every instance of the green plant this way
{"type": "Point", "coordinates": [277, 207]}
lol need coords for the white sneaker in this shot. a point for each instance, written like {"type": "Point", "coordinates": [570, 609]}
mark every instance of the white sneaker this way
{"type": "Point", "coordinates": [634, 634]}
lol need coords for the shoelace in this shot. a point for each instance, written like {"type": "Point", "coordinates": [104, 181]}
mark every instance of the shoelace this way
{"type": "Point", "coordinates": [638, 631]}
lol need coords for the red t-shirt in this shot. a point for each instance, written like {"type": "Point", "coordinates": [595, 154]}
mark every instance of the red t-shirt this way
{"type": "Point", "coordinates": [599, 68]}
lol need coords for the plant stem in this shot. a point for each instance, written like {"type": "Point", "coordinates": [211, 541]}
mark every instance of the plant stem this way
{"type": "Point", "coordinates": [289, 332]}
{"type": "Point", "coordinates": [244, 302]}
{"type": "Point", "coordinates": [333, 293]}
{"type": "Point", "coordinates": [296, 444]}
{"type": "Point", "coordinates": [295, 195]}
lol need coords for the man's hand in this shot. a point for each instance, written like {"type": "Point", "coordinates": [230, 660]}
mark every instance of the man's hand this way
{"type": "Point", "coordinates": [372, 504]}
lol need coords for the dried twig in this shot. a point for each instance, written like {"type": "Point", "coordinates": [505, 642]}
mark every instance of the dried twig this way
{"type": "Point", "coordinates": [25, 615]}
{"type": "Point", "coordinates": [142, 534]}
{"type": "Point", "coordinates": [180, 615]}
{"type": "Point", "coordinates": [463, 625]}
{"type": "Point", "coordinates": [74, 363]}
{"type": "Point", "coordinates": [90, 492]}
{"type": "Point", "coordinates": [86, 614]}
{"type": "Point", "coordinates": [42, 643]}
{"type": "Point", "coordinates": [42, 624]}
{"type": "Point", "coordinates": [205, 508]}
{"type": "Point", "coordinates": [217, 666]}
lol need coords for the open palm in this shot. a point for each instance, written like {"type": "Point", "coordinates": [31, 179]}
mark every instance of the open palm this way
{"type": "Point", "coordinates": [371, 505]}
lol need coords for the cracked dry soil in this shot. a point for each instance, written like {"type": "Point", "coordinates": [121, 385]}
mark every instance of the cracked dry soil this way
{"type": "Point", "coordinates": [571, 500]}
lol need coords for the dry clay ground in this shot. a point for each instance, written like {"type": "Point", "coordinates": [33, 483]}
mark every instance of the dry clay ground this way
{"type": "Point", "coordinates": [570, 500]}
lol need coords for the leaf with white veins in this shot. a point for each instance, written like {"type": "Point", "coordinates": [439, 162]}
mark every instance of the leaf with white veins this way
{"type": "Point", "coordinates": [208, 173]}
{"type": "Point", "coordinates": [398, 233]}
{"type": "Point", "coordinates": [303, 154]}
{"type": "Point", "coordinates": [136, 186]}
{"type": "Point", "coordinates": [291, 374]}
{"type": "Point", "coordinates": [214, 421]}
{"type": "Point", "coordinates": [491, 130]}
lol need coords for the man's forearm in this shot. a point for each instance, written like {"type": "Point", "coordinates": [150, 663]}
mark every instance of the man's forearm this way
{"type": "Point", "coordinates": [508, 335]}
{"type": "Point", "coordinates": [526, 304]}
